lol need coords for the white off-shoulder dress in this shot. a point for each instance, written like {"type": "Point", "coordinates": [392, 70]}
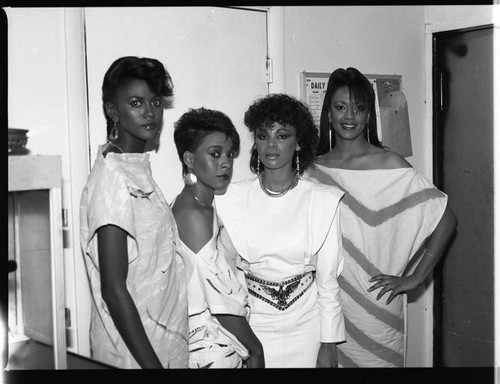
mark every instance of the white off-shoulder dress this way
{"type": "Point", "coordinates": [216, 286]}
{"type": "Point", "coordinates": [386, 215]}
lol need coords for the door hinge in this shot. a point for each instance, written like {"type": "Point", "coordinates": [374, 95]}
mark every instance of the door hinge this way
{"type": "Point", "coordinates": [269, 70]}
{"type": "Point", "coordinates": [65, 230]}
{"type": "Point", "coordinates": [67, 317]}
{"type": "Point", "coordinates": [64, 217]}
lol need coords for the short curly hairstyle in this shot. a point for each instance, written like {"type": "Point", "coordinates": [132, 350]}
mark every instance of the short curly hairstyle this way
{"type": "Point", "coordinates": [128, 68]}
{"type": "Point", "coordinates": [194, 125]}
{"type": "Point", "coordinates": [284, 109]}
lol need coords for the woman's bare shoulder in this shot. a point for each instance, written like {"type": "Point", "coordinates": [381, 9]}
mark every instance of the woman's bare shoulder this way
{"type": "Point", "coordinates": [386, 159]}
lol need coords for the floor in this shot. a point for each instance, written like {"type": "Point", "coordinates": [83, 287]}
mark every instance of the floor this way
{"type": "Point", "coordinates": [30, 354]}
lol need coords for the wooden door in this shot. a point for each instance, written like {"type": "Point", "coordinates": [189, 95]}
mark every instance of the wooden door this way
{"type": "Point", "coordinates": [463, 137]}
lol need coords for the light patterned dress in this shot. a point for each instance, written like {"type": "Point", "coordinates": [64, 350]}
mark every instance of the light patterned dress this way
{"type": "Point", "coordinates": [386, 215]}
{"type": "Point", "coordinates": [120, 191]}
{"type": "Point", "coordinates": [216, 286]}
{"type": "Point", "coordinates": [290, 248]}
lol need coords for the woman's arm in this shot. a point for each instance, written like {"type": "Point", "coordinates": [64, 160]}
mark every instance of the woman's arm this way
{"type": "Point", "coordinates": [113, 263]}
{"type": "Point", "coordinates": [436, 244]}
{"type": "Point", "coordinates": [329, 266]}
{"type": "Point", "coordinates": [239, 327]}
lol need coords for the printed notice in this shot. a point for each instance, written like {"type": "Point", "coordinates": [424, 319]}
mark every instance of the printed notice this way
{"type": "Point", "coordinates": [314, 93]}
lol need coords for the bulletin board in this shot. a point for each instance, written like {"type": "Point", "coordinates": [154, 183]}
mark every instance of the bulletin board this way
{"type": "Point", "coordinates": [393, 126]}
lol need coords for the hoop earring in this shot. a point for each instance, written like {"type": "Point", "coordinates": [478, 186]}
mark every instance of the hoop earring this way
{"type": "Point", "coordinates": [190, 178]}
{"type": "Point", "coordinates": [297, 168]}
{"type": "Point", "coordinates": [113, 135]}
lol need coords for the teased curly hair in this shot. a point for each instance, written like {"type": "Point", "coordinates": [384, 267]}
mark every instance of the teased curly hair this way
{"type": "Point", "coordinates": [284, 109]}
{"type": "Point", "coordinates": [195, 124]}
{"type": "Point", "coordinates": [129, 68]}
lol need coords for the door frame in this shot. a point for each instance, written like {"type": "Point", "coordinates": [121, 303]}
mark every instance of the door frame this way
{"type": "Point", "coordinates": [80, 160]}
{"type": "Point", "coordinates": [474, 21]}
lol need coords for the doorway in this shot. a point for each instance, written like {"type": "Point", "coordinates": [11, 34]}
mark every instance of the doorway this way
{"type": "Point", "coordinates": [217, 57]}
{"type": "Point", "coordinates": [463, 169]}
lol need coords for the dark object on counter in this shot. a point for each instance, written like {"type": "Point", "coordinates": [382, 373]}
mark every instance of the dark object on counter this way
{"type": "Point", "coordinates": [17, 141]}
{"type": "Point", "coordinates": [11, 266]}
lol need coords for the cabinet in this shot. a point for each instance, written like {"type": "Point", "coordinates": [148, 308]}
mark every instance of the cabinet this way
{"type": "Point", "coordinates": [36, 287]}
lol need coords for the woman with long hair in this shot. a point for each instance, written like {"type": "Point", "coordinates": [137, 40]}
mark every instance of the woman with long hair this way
{"type": "Point", "coordinates": [389, 214]}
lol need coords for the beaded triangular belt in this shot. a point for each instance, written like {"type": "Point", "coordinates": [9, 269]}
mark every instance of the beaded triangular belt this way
{"type": "Point", "coordinates": [280, 294]}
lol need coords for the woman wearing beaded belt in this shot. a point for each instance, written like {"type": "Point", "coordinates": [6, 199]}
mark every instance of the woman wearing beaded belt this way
{"type": "Point", "coordinates": [219, 333]}
{"type": "Point", "coordinates": [286, 230]}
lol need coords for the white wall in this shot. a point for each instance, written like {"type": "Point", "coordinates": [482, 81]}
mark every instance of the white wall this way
{"type": "Point", "coordinates": [373, 39]}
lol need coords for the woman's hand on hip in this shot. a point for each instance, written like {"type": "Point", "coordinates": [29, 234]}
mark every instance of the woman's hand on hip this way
{"type": "Point", "coordinates": [393, 284]}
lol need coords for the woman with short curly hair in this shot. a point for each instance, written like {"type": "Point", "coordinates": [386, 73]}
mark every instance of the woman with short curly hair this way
{"type": "Point", "coordinates": [219, 334]}
{"type": "Point", "coordinates": [286, 230]}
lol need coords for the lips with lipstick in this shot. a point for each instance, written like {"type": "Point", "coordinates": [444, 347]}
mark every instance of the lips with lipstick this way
{"type": "Point", "coordinates": [224, 176]}
{"type": "Point", "coordinates": [272, 155]}
{"type": "Point", "coordinates": [348, 126]}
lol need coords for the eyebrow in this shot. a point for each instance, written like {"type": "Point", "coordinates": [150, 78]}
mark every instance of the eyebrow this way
{"type": "Point", "coordinates": [144, 97]}
{"type": "Point", "coordinates": [220, 147]}
{"type": "Point", "coordinates": [282, 128]}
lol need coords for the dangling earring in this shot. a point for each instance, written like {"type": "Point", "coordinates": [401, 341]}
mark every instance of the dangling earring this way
{"type": "Point", "coordinates": [113, 135]}
{"type": "Point", "coordinates": [258, 164]}
{"type": "Point", "coordinates": [297, 168]}
{"type": "Point", "coordinates": [190, 178]}
{"type": "Point", "coordinates": [330, 134]}
{"type": "Point", "coordinates": [368, 132]}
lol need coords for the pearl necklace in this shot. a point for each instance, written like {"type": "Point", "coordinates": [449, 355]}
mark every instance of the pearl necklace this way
{"type": "Point", "coordinates": [282, 192]}
{"type": "Point", "coordinates": [114, 145]}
